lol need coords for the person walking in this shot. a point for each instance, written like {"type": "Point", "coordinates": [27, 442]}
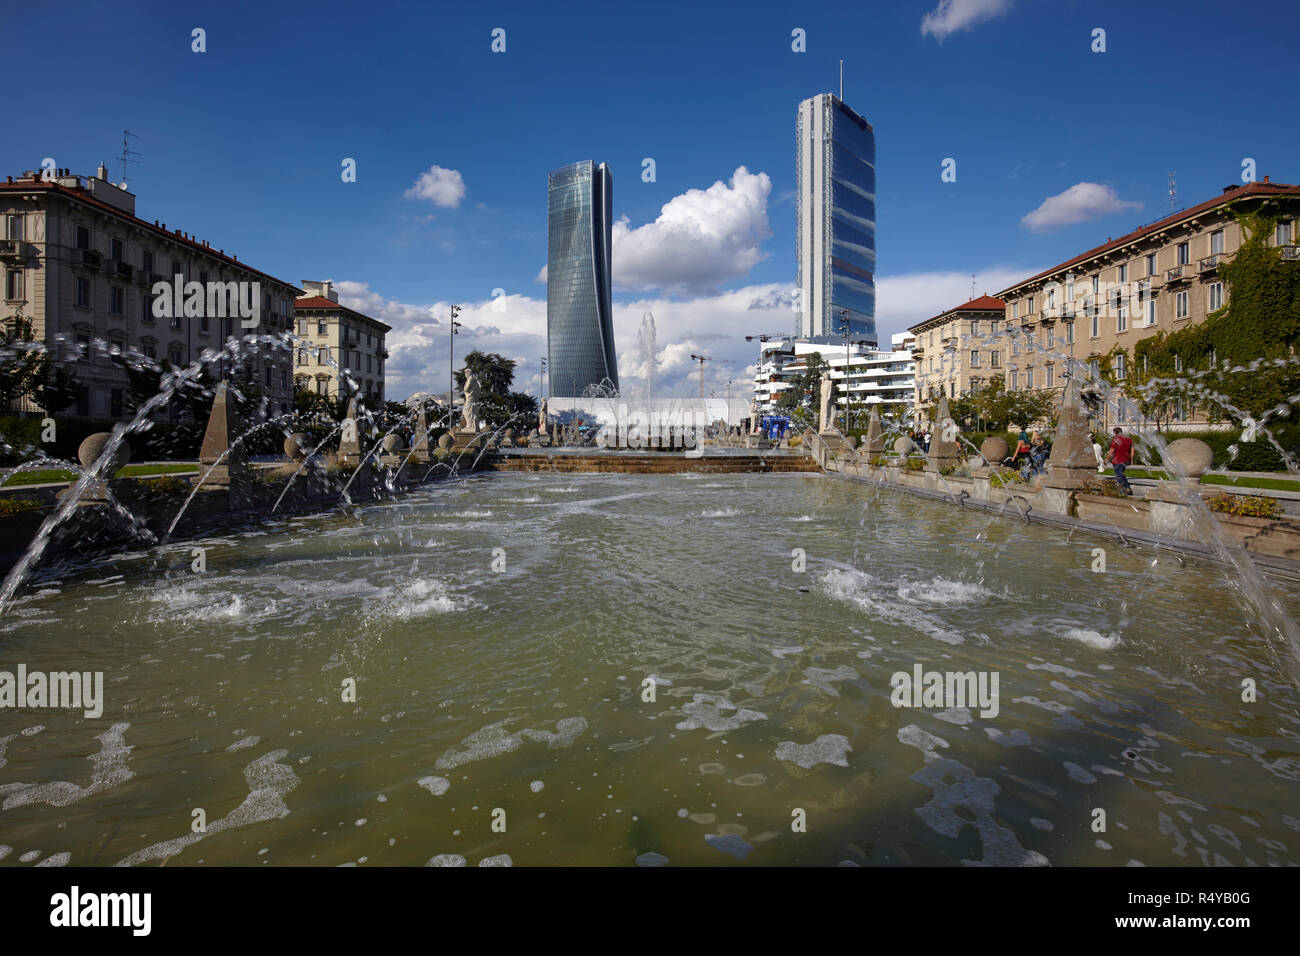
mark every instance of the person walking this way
{"type": "Point", "coordinates": [1120, 455]}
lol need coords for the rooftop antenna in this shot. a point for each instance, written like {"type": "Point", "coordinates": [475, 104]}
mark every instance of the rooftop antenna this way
{"type": "Point", "coordinates": [1173, 189]}
{"type": "Point", "coordinates": [841, 81]}
{"type": "Point", "coordinates": [972, 287]}
{"type": "Point", "coordinates": [127, 152]}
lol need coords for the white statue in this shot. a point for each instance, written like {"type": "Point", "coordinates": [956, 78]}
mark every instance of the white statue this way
{"type": "Point", "coordinates": [826, 421]}
{"type": "Point", "coordinates": [541, 417]}
{"type": "Point", "coordinates": [469, 415]}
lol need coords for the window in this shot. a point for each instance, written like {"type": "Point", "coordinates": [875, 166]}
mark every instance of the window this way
{"type": "Point", "coordinates": [1094, 370]}
{"type": "Point", "coordinates": [1051, 375]}
{"type": "Point", "coordinates": [146, 260]}
{"type": "Point", "coordinates": [176, 322]}
{"type": "Point", "coordinates": [1121, 317]}
{"type": "Point", "coordinates": [268, 376]}
{"type": "Point", "coordinates": [1216, 242]}
{"type": "Point", "coordinates": [1051, 300]}
{"type": "Point", "coordinates": [1284, 233]}
{"type": "Point", "coordinates": [1015, 380]}
{"type": "Point", "coordinates": [177, 270]}
{"type": "Point", "coordinates": [83, 237]}
{"type": "Point", "coordinates": [83, 348]}
{"type": "Point", "coordinates": [974, 359]}
{"type": "Point", "coordinates": [1069, 333]}
{"type": "Point", "coordinates": [323, 328]}
{"type": "Point", "coordinates": [974, 329]}
{"type": "Point", "coordinates": [320, 386]}
{"type": "Point", "coordinates": [175, 355]}
{"type": "Point", "coordinates": [302, 356]}
{"type": "Point", "coordinates": [1029, 308]}
{"type": "Point", "coordinates": [995, 359]}
{"type": "Point", "coordinates": [14, 228]}
{"type": "Point", "coordinates": [1051, 338]}
{"type": "Point", "coordinates": [1096, 324]}
{"type": "Point", "coordinates": [1151, 311]}
{"type": "Point", "coordinates": [1178, 363]}
{"type": "Point", "coordinates": [1121, 366]}
{"type": "Point", "coordinates": [1184, 253]}
{"type": "Point", "coordinates": [1029, 377]}
{"type": "Point", "coordinates": [115, 249]}
{"type": "Point", "coordinates": [146, 307]}
{"type": "Point", "coordinates": [149, 348]}
{"type": "Point", "coordinates": [1123, 272]}
{"type": "Point", "coordinates": [368, 359]}
{"type": "Point", "coordinates": [323, 357]}
{"type": "Point", "coordinates": [203, 277]}
{"type": "Point", "coordinates": [1151, 264]}
{"type": "Point", "coordinates": [81, 292]}
{"type": "Point", "coordinates": [116, 300]}
{"type": "Point", "coordinates": [302, 326]}
{"type": "Point", "coordinates": [284, 378]}
{"type": "Point", "coordinates": [1015, 310]}
{"type": "Point", "coordinates": [1180, 305]}
{"type": "Point", "coordinates": [14, 284]}
{"type": "Point", "coordinates": [1216, 295]}
{"type": "Point", "coordinates": [203, 323]}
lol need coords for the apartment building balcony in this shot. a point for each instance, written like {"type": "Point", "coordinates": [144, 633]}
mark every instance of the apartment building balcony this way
{"type": "Point", "coordinates": [90, 258]}
{"type": "Point", "coordinates": [1290, 253]}
{"type": "Point", "coordinates": [12, 249]}
{"type": "Point", "coordinates": [1209, 263]}
{"type": "Point", "coordinates": [1178, 274]}
{"type": "Point", "coordinates": [123, 270]}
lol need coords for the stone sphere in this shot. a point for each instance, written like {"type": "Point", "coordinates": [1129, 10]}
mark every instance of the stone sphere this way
{"type": "Point", "coordinates": [89, 451]}
{"type": "Point", "coordinates": [903, 445]}
{"type": "Point", "coordinates": [444, 441]}
{"type": "Point", "coordinates": [392, 443]}
{"type": "Point", "coordinates": [295, 446]}
{"type": "Point", "coordinates": [1188, 456]}
{"type": "Point", "coordinates": [994, 449]}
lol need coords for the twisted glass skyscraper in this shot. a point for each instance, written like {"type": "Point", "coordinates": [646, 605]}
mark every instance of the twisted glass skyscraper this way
{"type": "Point", "coordinates": [835, 172]}
{"type": "Point", "coordinates": [579, 317]}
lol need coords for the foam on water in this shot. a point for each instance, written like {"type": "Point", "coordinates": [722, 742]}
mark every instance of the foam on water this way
{"type": "Point", "coordinates": [108, 770]}
{"type": "Point", "coordinates": [828, 748]}
{"type": "Point", "coordinates": [865, 591]}
{"type": "Point", "coordinates": [722, 513]}
{"type": "Point", "coordinates": [709, 712]}
{"type": "Point", "coordinates": [268, 782]}
{"type": "Point", "coordinates": [1093, 638]}
{"type": "Point", "coordinates": [435, 785]}
{"type": "Point", "coordinates": [493, 740]}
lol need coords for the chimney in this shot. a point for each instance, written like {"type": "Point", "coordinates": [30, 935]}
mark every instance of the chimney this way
{"type": "Point", "coordinates": [102, 172]}
{"type": "Point", "coordinates": [1265, 179]}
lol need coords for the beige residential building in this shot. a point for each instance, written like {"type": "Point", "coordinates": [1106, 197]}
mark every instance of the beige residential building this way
{"type": "Point", "coordinates": [1090, 311]}
{"type": "Point", "coordinates": [956, 351]}
{"type": "Point", "coordinates": [340, 352]}
{"type": "Point", "coordinates": [79, 263]}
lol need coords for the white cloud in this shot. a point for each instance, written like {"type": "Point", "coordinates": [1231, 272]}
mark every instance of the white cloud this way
{"type": "Point", "coordinates": [701, 239]}
{"type": "Point", "coordinates": [904, 300]}
{"type": "Point", "coordinates": [1080, 203]}
{"type": "Point", "coordinates": [714, 324]}
{"type": "Point", "coordinates": [442, 187]}
{"type": "Point", "coordinates": [954, 16]}
{"type": "Point", "coordinates": [541, 275]}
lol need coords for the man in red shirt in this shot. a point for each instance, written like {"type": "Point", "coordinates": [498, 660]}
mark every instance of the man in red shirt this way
{"type": "Point", "coordinates": [1121, 456]}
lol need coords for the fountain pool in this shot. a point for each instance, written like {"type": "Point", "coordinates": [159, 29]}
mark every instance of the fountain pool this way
{"type": "Point", "coordinates": [502, 631]}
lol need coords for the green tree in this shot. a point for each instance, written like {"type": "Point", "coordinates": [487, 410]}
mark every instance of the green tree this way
{"type": "Point", "coordinates": [23, 364]}
{"type": "Point", "coordinates": [495, 373]}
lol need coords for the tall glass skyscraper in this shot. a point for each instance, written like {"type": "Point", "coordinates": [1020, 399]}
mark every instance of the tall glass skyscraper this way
{"type": "Point", "coordinates": [579, 316]}
{"type": "Point", "coordinates": [835, 172]}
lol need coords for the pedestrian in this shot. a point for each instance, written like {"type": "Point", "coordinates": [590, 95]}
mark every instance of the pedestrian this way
{"type": "Point", "coordinates": [1037, 453]}
{"type": "Point", "coordinates": [1120, 456]}
{"type": "Point", "coordinates": [1096, 453]}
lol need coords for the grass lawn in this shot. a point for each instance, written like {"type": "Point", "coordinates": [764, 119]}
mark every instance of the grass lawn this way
{"type": "Point", "coordinates": [1276, 484]}
{"type": "Point", "coordinates": [47, 475]}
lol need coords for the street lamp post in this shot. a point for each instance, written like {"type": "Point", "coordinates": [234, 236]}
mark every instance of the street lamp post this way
{"type": "Point", "coordinates": [844, 331]}
{"type": "Point", "coordinates": [451, 368]}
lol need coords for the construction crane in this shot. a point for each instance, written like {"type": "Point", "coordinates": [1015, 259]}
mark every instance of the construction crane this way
{"type": "Point", "coordinates": [702, 359]}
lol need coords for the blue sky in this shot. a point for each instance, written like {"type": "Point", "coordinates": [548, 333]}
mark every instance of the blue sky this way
{"type": "Point", "coordinates": [242, 145]}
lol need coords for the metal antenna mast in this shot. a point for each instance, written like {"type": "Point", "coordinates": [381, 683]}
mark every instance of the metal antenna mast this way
{"type": "Point", "coordinates": [127, 152]}
{"type": "Point", "coordinates": [1173, 189]}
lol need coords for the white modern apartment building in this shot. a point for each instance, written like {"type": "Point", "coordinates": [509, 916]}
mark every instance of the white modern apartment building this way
{"type": "Point", "coordinates": [874, 376]}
